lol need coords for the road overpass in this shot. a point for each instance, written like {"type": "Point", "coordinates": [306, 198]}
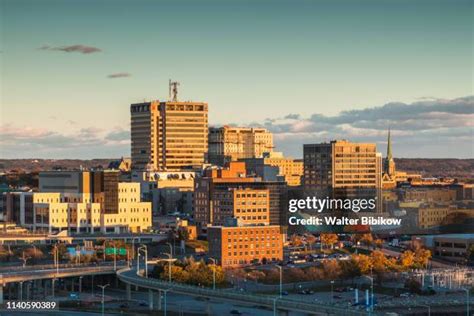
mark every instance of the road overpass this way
{"type": "Point", "coordinates": [131, 277]}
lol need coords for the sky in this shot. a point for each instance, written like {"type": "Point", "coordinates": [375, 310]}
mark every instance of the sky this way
{"type": "Point", "coordinates": [309, 71]}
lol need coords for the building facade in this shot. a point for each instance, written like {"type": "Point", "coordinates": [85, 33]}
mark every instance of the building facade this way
{"type": "Point", "coordinates": [234, 246]}
{"type": "Point", "coordinates": [232, 143]}
{"type": "Point", "coordinates": [168, 135]}
{"type": "Point", "coordinates": [288, 169]}
{"type": "Point", "coordinates": [341, 169]}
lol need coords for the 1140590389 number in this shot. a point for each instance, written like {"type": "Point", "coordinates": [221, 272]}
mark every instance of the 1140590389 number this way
{"type": "Point", "coordinates": [30, 305]}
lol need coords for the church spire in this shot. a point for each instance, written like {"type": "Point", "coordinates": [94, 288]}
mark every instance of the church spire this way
{"type": "Point", "coordinates": [389, 146]}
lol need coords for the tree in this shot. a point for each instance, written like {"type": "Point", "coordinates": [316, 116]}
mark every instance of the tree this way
{"type": "Point", "coordinates": [296, 240]}
{"type": "Point", "coordinates": [422, 257]}
{"type": "Point", "coordinates": [407, 259]}
{"type": "Point", "coordinates": [328, 239]}
{"type": "Point", "coordinates": [310, 239]}
{"type": "Point", "coordinates": [364, 263]}
{"type": "Point", "coordinates": [379, 261]}
{"type": "Point", "coordinates": [350, 268]}
{"type": "Point", "coordinates": [34, 254]}
{"type": "Point", "coordinates": [367, 239]}
{"type": "Point", "coordinates": [413, 285]}
{"type": "Point", "coordinates": [331, 269]}
{"type": "Point", "coordinates": [183, 234]}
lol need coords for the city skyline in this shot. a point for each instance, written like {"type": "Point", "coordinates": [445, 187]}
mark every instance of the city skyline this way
{"type": "Point", "coordinates": [68, 77]}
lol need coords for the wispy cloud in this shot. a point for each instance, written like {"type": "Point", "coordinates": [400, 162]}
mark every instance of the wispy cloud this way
{"type": "Point", "coordinates": [119, 75]}
{"type": "Point", "coordinates": [78, 48]}
{"type": "Point", "coordinates": [27, 142]}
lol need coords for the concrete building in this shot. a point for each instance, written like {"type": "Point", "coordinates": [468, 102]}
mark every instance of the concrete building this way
{"type": "Point", "coordinates": [453, 247]}
{"type": "Point", "coordinates": [436, 215]}
{"type": "Point", "coordinates": [232, 143]}
{"type": "Point", "coordinates": [219, 181]}
{"type": "Point", "coordinates": [250, 206]}
{"type": "Point", "coordinates": [341, 169]}
{"type": "Point", "coordinates": [234, 246]}
{"type": "Point", "coordinates": [287, 169]}
{"type": "Point", "coordinates": [168, 135]}
{"type": "Point", "coordinates": [80, 202]}
{"type": "Point", "coordinates": [169, 191]}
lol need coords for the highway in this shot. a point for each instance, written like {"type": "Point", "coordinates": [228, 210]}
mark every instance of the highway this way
{"type": "Point", "coordinates": [49, 273]}
{"type": "Point", "coordinates": [129, 275]}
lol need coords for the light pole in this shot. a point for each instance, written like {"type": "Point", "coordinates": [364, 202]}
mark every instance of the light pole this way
{"type": "Point", "coordinates": [92, 284]}
{"type": "Point", "coordinates": [467, 301]}
{"type": "Point", "coordinates": [213, 273]}
{"type": "Point", "coordinates": [53, 285]}
{"type": "Point", "coordinates": [103, 292]}
{"type": "Point", "coordinates": [115, 258]}
{"type": "Point", "coordinates": [21, 291]}
{"type": "Point", "coordinates": [429, 308]}
{"type": "Point", "coordinates": [281, 279]}
{"type": "Point", "coordinates": [80, 284]}
{"type": "Point", "coordinates": [332, 291]}
{"type": "Point", "coordinates": [145, 250]}
{"type": "Point", "coordinates": [170, 256]}
{"type": "Point", "coordinates": [275, 306]}
{"type": "Point", "coordinates": [171, 248]}
{"type": "Point", "coordinates": [165, 307]}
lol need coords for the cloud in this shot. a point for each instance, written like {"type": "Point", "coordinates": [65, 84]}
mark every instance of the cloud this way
{"type": "Point", "coordinates": [447, 124]}
{"type": "Point", "coordinates": [89, 142]}
{"type": "Point", "coordinates": [119, 75]}
{"type": "Point", "coordinates": [78, 48]}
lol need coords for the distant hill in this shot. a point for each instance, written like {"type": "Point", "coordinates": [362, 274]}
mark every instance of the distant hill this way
{"type": "Point", "coordinates": [456, 168]}
{"type": "Point", "coordinates": [34, 165]}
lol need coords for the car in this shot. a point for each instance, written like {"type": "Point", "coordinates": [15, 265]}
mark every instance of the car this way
{"type": "Point", "coordinates": [235, 312]}
{"type": "Point", "coordinates": [284, 293]}
{"type": "Point", "coordinates": [337, 296]}
{"type": "Point", "coordinates": [124, 305]}
{"type": "Point", "coordinates": [143, 303]}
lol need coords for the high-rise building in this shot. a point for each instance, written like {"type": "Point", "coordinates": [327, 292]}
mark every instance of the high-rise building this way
{"type": "Point", "coordinates": [288, 169]}
{"type": "Point", "coordinates": [341, 169]}
{"type": "Point", "coordinates": [232, 143]}
{"type": "Point", "coordinates": [168, 135]}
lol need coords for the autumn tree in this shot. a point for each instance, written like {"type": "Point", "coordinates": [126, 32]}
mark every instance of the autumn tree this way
{"type": "Point", "coordinates": [310, 239]}
{"type": "Point", "coordinates": [407, 259]}
{"type": "Point", "coordinates": [296, 240]}
{"type": "Point", "coordinates": [328, 239]}
{"type": "Point", "coordinates": [422, 257]}
{"type": "Point", "coordinates": [364, 263]}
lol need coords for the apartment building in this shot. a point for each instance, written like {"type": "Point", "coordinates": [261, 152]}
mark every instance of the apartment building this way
{"type": "Point", "coordinates": [232, 143]}
{"type": "Point", "coordinates": [168, 135]}
{"type": "Point", "coordinates": [236, 246]}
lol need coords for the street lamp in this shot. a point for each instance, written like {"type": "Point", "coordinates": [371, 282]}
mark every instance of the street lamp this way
{"type": "Point", "coordinates": [145, 250]}
{"type": "Point", "coordinates": [165, 292]}
{"type": "Point", "coordinates": [171, 248]}
{"type": "Point", "coordinates": [21, 291]}
{"type": "Point", "coordinates": [467, 301]}
{"type": "Point", "coordinates": [281, 279]}
{"type": "Point", "coordinates": [115, 258]}
{"type": "Point", "coordinates": [80, 284]}
{"type": "Point", "coordinates": [332, 291]}
{"type": "Point", "coordinates": [213, 273]}
{"type": "Point", "coordinates": [275, 306]}
{"type": "Point", "coordinates": [170, 256]}
{"type": "Point", "coordinates": [103, 291]}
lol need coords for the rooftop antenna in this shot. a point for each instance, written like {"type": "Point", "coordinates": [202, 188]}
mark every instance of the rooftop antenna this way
{"type": "Point", "coordinates": [173, 90]}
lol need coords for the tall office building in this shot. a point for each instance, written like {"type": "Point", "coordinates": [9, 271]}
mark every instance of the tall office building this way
{"type": "Point", "coordinates": [341, 169]}
{"type": "Point", "coordinates": [168, 135]}
{"type": "Point", "coordinates": [232, 143]}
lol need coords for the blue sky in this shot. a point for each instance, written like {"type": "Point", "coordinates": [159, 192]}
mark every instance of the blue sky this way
{"type": "Point", "coordinates": [70, 69]}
